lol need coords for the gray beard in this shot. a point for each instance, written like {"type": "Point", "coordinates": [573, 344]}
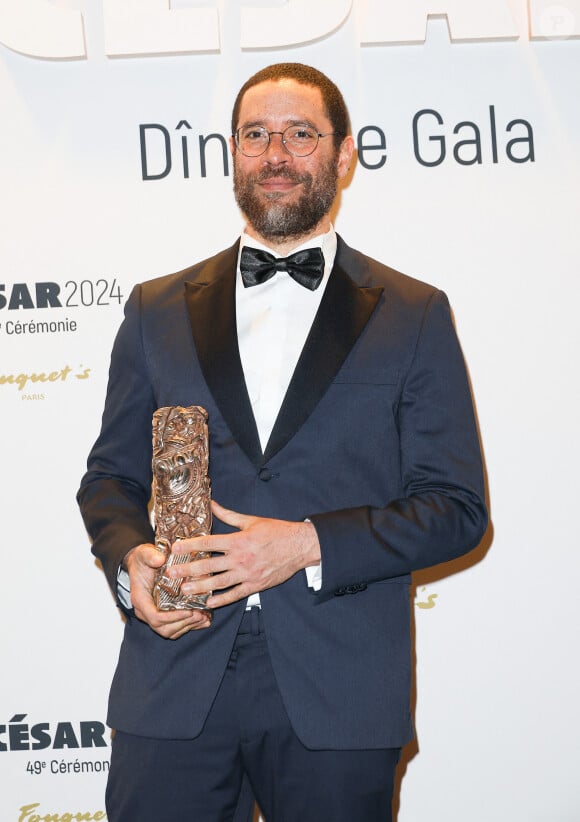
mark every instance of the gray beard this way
{"type": "Point", "coordinates": [272, 219]}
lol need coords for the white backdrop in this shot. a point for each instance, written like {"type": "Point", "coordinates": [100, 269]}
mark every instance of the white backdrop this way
{"type": "Point", "coordinates": [497, 635]}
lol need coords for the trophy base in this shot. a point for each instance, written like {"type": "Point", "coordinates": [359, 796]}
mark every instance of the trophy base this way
{"type": "Point", "coordinates": [192, 603]}
{"type": "Point", "coordinates": [167, 593]}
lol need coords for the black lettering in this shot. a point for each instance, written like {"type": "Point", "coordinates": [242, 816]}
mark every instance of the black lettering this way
{"type": "Point", "coordinates": [93, 735]}
{"type": "Point", "coordinates": [379, 146]}
{"type": "Point", "coordinates": [203, 141]}
{"type": "Point", "coordinates": [143, 128]}
{"type": "Point", "coordinates": [65, 736]}
{"type": "Point", "coordinates": [185, 157]}
{"type": "Point", "coordinates": [475, 143]}
{"type": "Point", "coordinates": [493, 133]}
{"type": "Point", "coordinates": [20, 297]}
{"type": "Point", "coordinates": [528, 140]}
{"type": "Point", "coordinates": [18, 737]}
{"type": "Point", "coordinates": [433, 138]}
{"type": "Point", "coordinates": [40, 733]}
{"type": "Point", "coordinates": [47, 295]}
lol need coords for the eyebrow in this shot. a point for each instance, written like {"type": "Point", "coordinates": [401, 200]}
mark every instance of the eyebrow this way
{"type": "Point", "coordinates": [262, 123]}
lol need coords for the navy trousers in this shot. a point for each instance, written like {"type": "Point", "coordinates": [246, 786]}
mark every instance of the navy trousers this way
{"type": "Point", "coordinates": [247, 748]}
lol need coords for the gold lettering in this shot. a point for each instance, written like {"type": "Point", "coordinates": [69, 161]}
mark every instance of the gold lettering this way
{"type": "Point", "coordinates": [430, 603]}
{"type": "Point", "coordinates": [26, 810]}
{"type": "Point", "coordinates": [41, 376]}
{"type": "Point", "coordinates": [26, 815]}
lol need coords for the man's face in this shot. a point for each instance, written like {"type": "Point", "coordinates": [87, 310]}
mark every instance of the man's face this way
{"type": "Point", "coordinates": [286, 197]}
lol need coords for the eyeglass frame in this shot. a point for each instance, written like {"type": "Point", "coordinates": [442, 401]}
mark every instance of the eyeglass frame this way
{"type": "Point", "coordinates": [282, 133]}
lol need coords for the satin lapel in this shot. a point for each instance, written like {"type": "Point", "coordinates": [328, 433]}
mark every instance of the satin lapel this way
{"type": "Point", "coordinates": [212, 313]}
{"type": "Point", "coordinates": [344, 311]}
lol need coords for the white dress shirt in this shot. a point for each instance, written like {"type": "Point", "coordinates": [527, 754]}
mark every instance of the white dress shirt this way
{"type": "Point", "coordinates": [273, 322]}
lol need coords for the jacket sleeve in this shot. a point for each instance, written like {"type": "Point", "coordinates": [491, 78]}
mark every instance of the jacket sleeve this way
{"type": "Point", "coordinates": [441, 513]}
{"type": "Point", "coordinates": [115, 491]}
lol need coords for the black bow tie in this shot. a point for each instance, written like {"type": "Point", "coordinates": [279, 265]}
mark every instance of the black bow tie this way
{"type": "Point", "coordinates": [306, 267]}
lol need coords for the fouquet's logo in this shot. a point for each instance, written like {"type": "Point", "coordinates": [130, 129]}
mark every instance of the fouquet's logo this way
{"type": "Point", "coordinates": [20, 735]}
{"type": "Point", "coordinates": [31, 813]}
{"type": "Point", "coordinates": [28, 379]}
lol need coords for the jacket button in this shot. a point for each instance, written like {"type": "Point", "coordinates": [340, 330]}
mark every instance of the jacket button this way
{"type": "Point", "coordinates": [265, 475]}
{"type": "Point", "coordinates": [360, 586]}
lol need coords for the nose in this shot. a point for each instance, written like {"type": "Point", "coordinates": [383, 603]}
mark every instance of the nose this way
{"type": "Point", "coordinates": [276, 152]}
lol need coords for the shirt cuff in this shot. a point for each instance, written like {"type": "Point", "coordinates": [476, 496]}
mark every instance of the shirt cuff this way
{"type": "Point", "coordinates": [313, 573]}
{"type": "Point", "coordinates": [314, 576]}
{"type": "Point", "coordinates": [124, 588]}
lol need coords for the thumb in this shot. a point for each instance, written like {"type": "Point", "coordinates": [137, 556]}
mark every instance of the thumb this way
{"type": "Point", "coordinates": [233, 518]}
{"type": "Point", "coordinates": [149, 555]}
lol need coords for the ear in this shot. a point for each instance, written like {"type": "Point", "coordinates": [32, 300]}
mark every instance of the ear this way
{"type": "Point", "coordinates": [232, 146]}
{"type": "Point", "coordinates": [345, 153]}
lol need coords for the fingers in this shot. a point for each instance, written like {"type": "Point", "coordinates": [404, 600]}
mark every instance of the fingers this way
{"type": "Point", "coordinates": [233, 594]}
{"type": "Point", "coordinates": [175, 624]}
{"type": "Point", "coordinates": [212, 543]}
{"type": "Point", "coordinates": [142, 564]}
{"type": "Point", "coordinates": [168, 624]}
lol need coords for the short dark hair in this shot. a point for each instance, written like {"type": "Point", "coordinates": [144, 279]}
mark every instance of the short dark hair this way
{"type": "Point", "coordinates": [336, 110]}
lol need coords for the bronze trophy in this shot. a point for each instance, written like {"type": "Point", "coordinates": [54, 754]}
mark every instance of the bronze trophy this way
{"type": "Point", "coordinates": [181, 495]}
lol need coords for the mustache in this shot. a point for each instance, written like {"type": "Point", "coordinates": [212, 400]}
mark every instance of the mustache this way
{"type": "Point", "coordinates": [286, 173]}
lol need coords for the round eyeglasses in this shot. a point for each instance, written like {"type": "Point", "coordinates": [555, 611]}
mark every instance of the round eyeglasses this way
{"type": "Point", "coordinates": [298, 140]}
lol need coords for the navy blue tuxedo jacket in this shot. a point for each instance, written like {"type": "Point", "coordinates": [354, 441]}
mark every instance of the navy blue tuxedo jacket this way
{"type": "Point", "coordinates": [375, 443]}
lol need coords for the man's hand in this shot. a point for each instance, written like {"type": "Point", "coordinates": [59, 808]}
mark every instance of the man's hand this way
{"type": "Point", "coordinates": [263, 553]}
{"type": "Point", "coordinates": [142, 563]}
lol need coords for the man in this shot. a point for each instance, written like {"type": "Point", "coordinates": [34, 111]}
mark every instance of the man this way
{"type": "Point", "coordinates": [343, 444]}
